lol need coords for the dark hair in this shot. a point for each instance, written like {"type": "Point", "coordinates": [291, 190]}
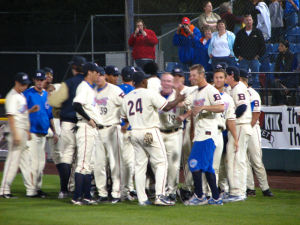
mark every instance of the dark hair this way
{"type": "Point", "coordinates": [205, 3]}
{"type": "Point", "coordinates": [220, 71]}
{"type": "Point", "coordinates": [140, 21]}
{"type": "Point", "coordinates": [285, 43]}
{"type": "Point", "coordinates": [221, 21]}
{"type": "Point", "coordinates": [150, 68]}
{"type": "Point", "coordinates": [247, 15]}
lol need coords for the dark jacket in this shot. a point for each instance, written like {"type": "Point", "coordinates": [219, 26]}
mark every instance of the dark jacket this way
{"type": "Point", "coordinates": [249, 46]}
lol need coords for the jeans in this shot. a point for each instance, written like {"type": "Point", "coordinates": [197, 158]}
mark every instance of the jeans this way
{"type": "Point", "coordinates": [253, 65]}
{"type": "Point", "coordinates": [141, 62]}
{"type": "Point", "coordinates": [230, 61]}
{"type": "Point", "coordinates": [291, 20]}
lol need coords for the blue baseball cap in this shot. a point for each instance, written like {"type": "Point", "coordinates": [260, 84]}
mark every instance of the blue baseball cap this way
{"type": "Point", "coordinates": [221, 65]}
{"type": "Point", "coordinates": [90, 66]}
{"type": "Point", "coordinates": [22, 78]}
{"type": "Point", "coordinates": [39, 75]}
{"type": "Point", "coordinates": [127, 72]}
{"type": "Point", "coordinates": [100, 70]}
{"type": "Point", "coordinates": [48, 70]}
{"type": "Point", "coordinates": [232, 70]}
{"type": "Point", "coordinates": [177, 71]}
{"type": "Point", "coordinates": [244, 73]}
{"type": "Point", "coordinates": [112, 70]}
{"type": "Point", "coordinates": [138, 77]}
{"type": "Point", "coordinates": [78, 61]}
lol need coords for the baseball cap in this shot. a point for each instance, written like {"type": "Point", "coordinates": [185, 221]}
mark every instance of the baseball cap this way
{"type": "Point", "coordinates": [78, 61]}
{"type": "Point", "coordinates": [90, 66]}
{"type": "Point", "coordinates": [112, 70]}
{"type": "Point", "coordinates": [127, 72]}
{"type": "Point", "coordinates": [221, 65]}
{"type": "Point", "coordinates": [100, 70]}
{"type": "Point", "coordinates": [22, 78]}
{"type": "Point", "coordinates": [232, 70]}
{"type": "Point", "coordinates": [48, 70]}
{"type": "Point", "coordinates": [244, 73]}
{"type": "Point", "coordinates": [185, 20]}
{"type": "Point", "coordinates": [177, 71]}
{"type": "Point", "coordinates": [39, 75]}
{"type": "Point", "coordinates": [138, 77]}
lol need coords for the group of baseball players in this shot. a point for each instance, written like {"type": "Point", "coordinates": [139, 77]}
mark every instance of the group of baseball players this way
{"type": "Point", "coordinates": [116, 136]}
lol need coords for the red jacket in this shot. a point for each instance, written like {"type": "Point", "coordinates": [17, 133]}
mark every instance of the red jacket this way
{"type": "Point", "coordinates": [143, 47]}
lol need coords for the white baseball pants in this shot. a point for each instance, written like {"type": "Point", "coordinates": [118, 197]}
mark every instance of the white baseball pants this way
{"type": "Point", "coordinates": [67, 143]}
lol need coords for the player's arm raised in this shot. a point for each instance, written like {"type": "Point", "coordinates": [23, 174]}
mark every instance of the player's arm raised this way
{"type": "Point", "coordinates": [179, 98]}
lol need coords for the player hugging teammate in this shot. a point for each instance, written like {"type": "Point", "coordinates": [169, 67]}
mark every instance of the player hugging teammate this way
{"type": "Point", "coordinates": [117, 133]}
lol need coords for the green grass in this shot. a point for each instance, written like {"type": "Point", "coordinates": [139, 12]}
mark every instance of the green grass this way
{"type": "Point", "coordinates": [284, 208]}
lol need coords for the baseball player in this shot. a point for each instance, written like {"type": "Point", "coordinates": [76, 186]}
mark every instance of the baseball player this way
{"type": "Point", "coordinates": [63, 99]}
{"type": "Point", "coordinates": [127, 150]}
{"type": "Point", "coordinates": [172, 134]}
{"type": "Point", "coordinates": [112, 74]}
{"type": "Point", "coordinates": [151, 68]}
{"type": "Point", "coordinates": [108, 101]}
{"type": "Point", "coordinates": [89, 119]}
{"type": "Point", "coordinates": [205, 102]}
{"type": "Point", "coordinates": [254, 146]}
{"type": "Point", "coordinates": [140, 109]}
{"type": "Point", "coordinates": [40, 122]}
{"type": "Point", "coordinates": [18, 121]}
{"type": "Point", "coordinates": [237, 158]}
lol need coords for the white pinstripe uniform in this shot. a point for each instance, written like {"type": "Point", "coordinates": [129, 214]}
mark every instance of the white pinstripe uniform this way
{"type": "Point", "coordinates": [237, 161]}
{"type": "Point", "coordinates": [254, 149]}
{"type": "Point", "coordinates": [140, 108]}
{"type": "Point", "coordinates": [109, 100]}
{"type": "Point", "coordinates": [16, 106]}
{"type": "Point", "coordinates": [171, 131]}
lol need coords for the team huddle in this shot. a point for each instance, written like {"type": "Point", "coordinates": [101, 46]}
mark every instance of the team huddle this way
{"type": "Point", "coordinates": [133, 137]}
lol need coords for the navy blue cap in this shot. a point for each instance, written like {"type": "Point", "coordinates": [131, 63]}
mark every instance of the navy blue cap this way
{"type": "Point", "coordinates": [90, 66]}
{"type": "Point", "coordinates": [100, 70]}
{"type": "Point", "coordinates": [232, 70]}
{"type": "Point", "coordinates": [112, 70]}
{"type": "Point", "coordinates": [221, 65]}
{"type": "Point", "coordinates": [48, 70]}
{"type": "Point", "coordinates": [177, 71]}
{"type": "Point", "coordinates": [209, 77]}
{"type": "Point", "coordinates": [244, 73]}
{"type": "Point", "coordinates": [78, 61]}
{"type": "Point", "coordinates": [127, 72]}
{"type": "Point", "coordinates": [22, 78]}
{"type": "Point", "coordinates": [39, 75]}
{"type": "Point", "coordinates": [138, 77]}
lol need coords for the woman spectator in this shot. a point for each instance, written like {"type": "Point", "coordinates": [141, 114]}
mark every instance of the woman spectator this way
{"type": "Point", "coordinates": [208, 17]}
{"type": "Point", "coordinates": [143, 42]}
{"type": "Point", "coordinates": [201, 49]}
{"type": "Point", "coordinates": [220, 49]}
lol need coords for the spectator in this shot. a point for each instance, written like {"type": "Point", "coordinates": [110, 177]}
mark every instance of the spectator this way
{"type": "Point", "coordinates": [291, 13]}
{"type": "Point", "coordinates": [201, 49]}
{"type": "Point", "coordinates": [249, 45]}
{"type": "Point", "coordinates": [208, 17]}
{"type": "Point", "coordinates": [143, 42]}
{"type": "Point", "coordinates": [263, 19]}
{"type": "Point", "coordinates": [185, 37]}
{"type": "Point", "coordinates": [276, 17]}
{"type": "Point", "coordinates": [230, 19]}
{"type": "Point", "coordinates": [284, 63]}
{"type": "Point", "coordinates": [221, 46]}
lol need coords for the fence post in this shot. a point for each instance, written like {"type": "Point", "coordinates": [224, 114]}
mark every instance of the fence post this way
{"type": "Point", "coordinates": [38, 60]}
{"type": "Point", "coordinates": [92, 37]}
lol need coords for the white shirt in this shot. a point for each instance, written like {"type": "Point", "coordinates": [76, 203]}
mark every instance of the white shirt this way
{"type": "Point", "coordinates": [168, 119]}
{"type": "Point", "coordinates": [206, 123]}
{"type": "Point", "coordinates": [141, 106]}
{"type": "Point", "coordinates": [154, 84]}
{"type": "Point", "coordinates": [241, 96]}
{"type": "Point", "coordinates": [86, 96]}
{"type": "Point", "coordinates": [220, 46]}
{"type": "Point", "coordinates": [229, 111]}
{"type": "Point", "coordinates": [109, 100]}
{"type": "Point", "coordinates": [16, 106]}
{"type": "Point", "coordinates": [255, 101]}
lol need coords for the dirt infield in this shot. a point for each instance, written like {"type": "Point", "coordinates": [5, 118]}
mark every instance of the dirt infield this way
{"type": "Point", "coordinates": [277, 179]}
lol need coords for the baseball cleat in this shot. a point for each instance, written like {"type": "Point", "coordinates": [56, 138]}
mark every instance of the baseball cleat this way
{"type": "Point", "coordinates": [251, 193]}
{"type": "Point", "coordinates": [115, 200]}
{"type": "Point", "coordinates": [76, 202]}
{"type": "Point", "coordinates": [163, 200]}
{"type": "Point", "coordinates": [132, 196]}
{"type": "Point", "coordinates": [145, 203]}
{"type": "Point", "coordinates": [8, 196]}
{"type": "Point", "coordinates": [268, 193]}
{"type": "Point", "coordinates": [62, 195]}
{"type": "Point", "coordinates": [184, 195]}
{"type": "Point", "coordinates": [233, 198]}
{"type": "Point", "coordinates": [195, 200]}
{"type": "Point", "coordinates": [212, 201]}
{"type": "Point", "coordinates": [87, 201]}
{"type": "Point", "coordinates": [101, 199]}
{"type": "Point", "coordinates": [172, 197]}
{"type": "Point", "coordinates": [224, 195]}
{"type": "Point", "coordinates": [41, 194]}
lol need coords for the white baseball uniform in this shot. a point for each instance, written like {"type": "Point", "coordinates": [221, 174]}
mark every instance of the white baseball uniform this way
{"type": "Point", "coordinates": [171, 131]}
{"type": "Point", "coordinates": [154, 84]}
{"type": "Point", "coordinates": [86, 135]}
{"type": "Point", "coordinates": [108, 100]}
{"type": "Point", "coordinates": [237, 161]}
{"type": "Point", "coordinates": [254, 149]}
{"type": "Point", "coordinates": [16, 106]}
{"type": "Point", "coordinates": [140, 107]}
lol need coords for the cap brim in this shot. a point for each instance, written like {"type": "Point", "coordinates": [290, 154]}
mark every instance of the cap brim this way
{"type": "Point", "coordinates": [25, 82]}
{"type": "Point", "coordinates": [178, 74]}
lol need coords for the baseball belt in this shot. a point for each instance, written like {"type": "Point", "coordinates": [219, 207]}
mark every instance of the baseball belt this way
{"type": "Point", "coordinates": [170, 130]}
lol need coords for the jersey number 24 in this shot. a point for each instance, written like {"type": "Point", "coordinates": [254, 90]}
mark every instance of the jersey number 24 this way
{"type": "Point", "coordinates": [138, 107]}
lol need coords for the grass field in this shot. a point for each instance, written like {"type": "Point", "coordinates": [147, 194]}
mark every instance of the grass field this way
{"type": "Point", "coordinates": [284, 208]}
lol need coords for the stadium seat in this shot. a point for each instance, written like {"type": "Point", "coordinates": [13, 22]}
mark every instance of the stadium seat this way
{"type": "Point", "coordinates": [171, 65]}
{"type": "Point", "coordinates": [272, 67]}
{"type": "Point", "coordinates": [275, 48]}
{"type": "Point", "coordinates": [297, 48]}
{"type": "Point", "coordinates": [292, 47]}
{"type": "Point", "coordinates": [293, 35]}
{"type": "Point", "coordinates": [269, 48]}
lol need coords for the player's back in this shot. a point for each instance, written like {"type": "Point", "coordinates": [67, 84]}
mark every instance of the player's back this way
{"type": "Point", "coordinates": [141, 107]}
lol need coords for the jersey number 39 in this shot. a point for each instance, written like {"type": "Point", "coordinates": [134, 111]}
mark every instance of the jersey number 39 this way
{"type": "Point", "coordinates": [138, 107]}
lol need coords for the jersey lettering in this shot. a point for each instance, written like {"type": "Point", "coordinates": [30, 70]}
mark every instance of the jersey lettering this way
{"type": "Point", "coordinates": [103, 111]}
{"type": "Point", "coordinates": [217, 97]}
{"type": "Point", "coordinates": [138, 106]}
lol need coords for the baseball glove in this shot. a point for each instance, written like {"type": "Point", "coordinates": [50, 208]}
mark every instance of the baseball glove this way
{"type": "Point", "coordinates": [148, 139]}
